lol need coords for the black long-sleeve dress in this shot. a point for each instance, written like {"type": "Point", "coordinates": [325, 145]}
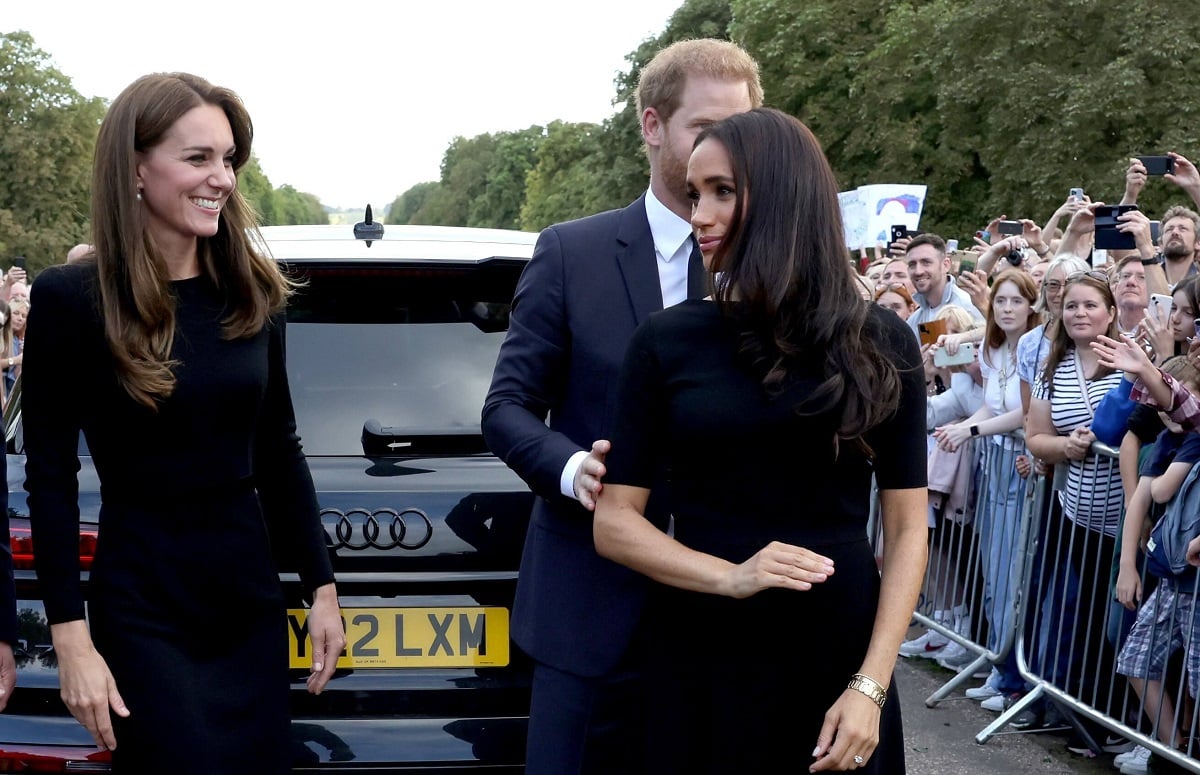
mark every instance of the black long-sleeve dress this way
{"type": "Point", "coordinates": [184, 601]}
{"type": "Point", "coordinates": [743, 685]}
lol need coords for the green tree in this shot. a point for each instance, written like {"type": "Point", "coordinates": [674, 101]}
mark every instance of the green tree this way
{"type": "Point", "coordinates": [256, 189]}
{"type": "Point", "coordinates": [498, 206]}
{"type": "Point", "coordinates": [561, 186]}
{"type": "Point", "coordinates": [994, 116]}
{"type": "Point", "coordinates": [404, 207]}
{"type": "Point", "coordinates": [45, 155]}
{"type": "Point", "coordinates": [296, 207]}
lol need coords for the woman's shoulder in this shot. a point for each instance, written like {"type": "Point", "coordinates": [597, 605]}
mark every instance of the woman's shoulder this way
{"type": "Point", "coordinates": [67, 284]}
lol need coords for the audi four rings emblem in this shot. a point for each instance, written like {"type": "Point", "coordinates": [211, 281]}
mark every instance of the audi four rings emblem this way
{"type": "Point", "coordinates": [359, 529]}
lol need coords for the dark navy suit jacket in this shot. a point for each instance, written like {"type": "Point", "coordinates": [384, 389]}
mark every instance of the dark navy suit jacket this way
{"type": "Point", "coordinates": [588, 286]}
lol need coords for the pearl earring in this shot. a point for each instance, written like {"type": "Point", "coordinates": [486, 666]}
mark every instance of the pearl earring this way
{"type": "Point", "coordinates": [139, 195]}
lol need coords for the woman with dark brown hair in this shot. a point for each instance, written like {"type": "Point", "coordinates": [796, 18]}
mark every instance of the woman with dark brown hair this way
{"type": "Point", "coordinates": [769, 409]}
{"type": "Point", "coordinates": [166, 349]}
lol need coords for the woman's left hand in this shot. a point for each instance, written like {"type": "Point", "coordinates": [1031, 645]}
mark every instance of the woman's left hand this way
{"type": "Point", "coordinates": [328, 637]}
{"type": "Point", "coordinates": [950, 436]}
{"type": "Point", "coordinates": [851, 729]}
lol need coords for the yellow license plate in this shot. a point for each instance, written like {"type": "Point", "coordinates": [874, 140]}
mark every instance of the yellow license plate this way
{"type": "Point", "coordinates": [411, 637]}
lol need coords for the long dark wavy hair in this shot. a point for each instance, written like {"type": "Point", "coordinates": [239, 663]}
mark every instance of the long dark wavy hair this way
{"type": "Point", "coordinates": [786, 277]}
{"type": "Point", "coordinates": [135, 295]}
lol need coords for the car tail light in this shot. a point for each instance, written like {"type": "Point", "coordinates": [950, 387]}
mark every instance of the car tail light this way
{"type": "Point", "coordinates": [21, 542]}
{"type": "Point", "coordinates": [49, 758]}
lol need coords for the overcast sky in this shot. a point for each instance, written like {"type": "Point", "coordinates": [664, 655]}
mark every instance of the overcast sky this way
{"type": "Point", "coordinates": [355, 102]}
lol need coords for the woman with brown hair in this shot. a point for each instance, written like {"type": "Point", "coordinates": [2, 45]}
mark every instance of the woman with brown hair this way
{"type": "Point", "coordinates": [770, 408]}
{"type": "Point", "coordinates": [896, 298]}
{"type": "Point", "coordinates": [166, 349]}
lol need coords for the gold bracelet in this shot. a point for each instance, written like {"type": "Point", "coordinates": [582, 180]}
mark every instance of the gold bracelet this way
{"type": "Point", "coordinates": [868, 686]}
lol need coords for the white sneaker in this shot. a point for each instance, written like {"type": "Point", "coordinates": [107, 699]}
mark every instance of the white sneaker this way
{"type": "Point", "coordinates": [1135, 762]}
{"type": "Point", "coordinates": [929, 645]}
{"type": "Point", "coordinates": [988, 689]}
{"type": "Point", "coordinates": [999, 703]}
{"type": "Point", "coordinates": [955, 657]}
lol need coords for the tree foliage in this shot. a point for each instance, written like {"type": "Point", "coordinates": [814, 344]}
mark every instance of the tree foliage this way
{"type": "Point", "coordinates": [49, 132]}
{"type": "Point", "coordinates": [997, 107]}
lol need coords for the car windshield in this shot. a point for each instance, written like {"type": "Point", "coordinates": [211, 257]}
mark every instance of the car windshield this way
{"type": "Point", "coordinates": [412, 351]}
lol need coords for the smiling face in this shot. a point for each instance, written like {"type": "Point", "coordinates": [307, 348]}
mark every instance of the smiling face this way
{"type": "Point", "coordinates": [713, 194]}
{"type": "Point", "coordinates": [927, 268]}
{"type": "Point", "coordinates": [704, 102]}
{"type": "Point", "coordinates": [186, 179]}
{"type": "Point", "coordinates": [1054, 291]}
{"type": "Point", "coordinates": [1010, 308]}
{"type": "Point", "coordinates": [1086, 313]}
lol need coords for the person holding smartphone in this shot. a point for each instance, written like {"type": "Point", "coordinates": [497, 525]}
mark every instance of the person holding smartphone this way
{"type": "Point", "coordinates": [1010, 315]}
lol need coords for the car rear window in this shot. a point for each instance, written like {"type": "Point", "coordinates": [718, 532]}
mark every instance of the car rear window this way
{"type": "Point", "coordinates": [409, 348]}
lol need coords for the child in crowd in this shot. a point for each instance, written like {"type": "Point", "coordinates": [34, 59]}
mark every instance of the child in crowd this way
{"type": "Point", "coordinates": [1166, 621]}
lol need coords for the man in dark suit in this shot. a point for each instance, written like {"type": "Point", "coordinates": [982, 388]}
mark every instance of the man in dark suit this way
{"type": "Point", "coordinates": [589, 284]}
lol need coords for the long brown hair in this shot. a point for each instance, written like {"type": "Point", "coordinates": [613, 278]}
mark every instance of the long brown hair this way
{"type": "Point", "coordinates": [135, 295]}
{"type": "Point", "coordinates": [1061, 342]}
{"type": "Point", "coordinates": [785, 279]}
{"type": "Point", "coordinates": [994, 336]}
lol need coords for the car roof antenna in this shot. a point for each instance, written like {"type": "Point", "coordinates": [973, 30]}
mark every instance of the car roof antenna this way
{"type": "Point", "coordinates": [368, 229]}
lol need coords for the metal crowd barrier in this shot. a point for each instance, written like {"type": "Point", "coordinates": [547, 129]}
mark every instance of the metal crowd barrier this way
{"type": "Point", "coordinates": [972, 583]}
{"type": "Point", "coordinates": [1068, 630]}
{"type": "Point", "coordinates": [1013, 581]}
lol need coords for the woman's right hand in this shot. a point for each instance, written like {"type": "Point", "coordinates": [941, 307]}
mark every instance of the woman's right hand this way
{"type": "Point", "coordinates": [86, 684]}
{"type": "Point", "coordinates": [1078, 443]}
{"type": "Point", "coordinates": [777, 565]}
{"type": "Point", "coordinates": [1129, 588]}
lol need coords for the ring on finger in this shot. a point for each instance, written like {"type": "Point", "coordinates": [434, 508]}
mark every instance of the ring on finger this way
{"type": "Point", "coordinates": [859, 760]}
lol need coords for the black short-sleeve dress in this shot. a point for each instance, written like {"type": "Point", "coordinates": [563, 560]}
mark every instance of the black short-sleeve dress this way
{"type": "Point", "coordinates": [198, 499]}
{"type": "Point", "coordinates": [743, 685]}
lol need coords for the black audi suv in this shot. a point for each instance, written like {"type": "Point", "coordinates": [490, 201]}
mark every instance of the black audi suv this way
{"type": "Point", "coordinates": [392, 337]}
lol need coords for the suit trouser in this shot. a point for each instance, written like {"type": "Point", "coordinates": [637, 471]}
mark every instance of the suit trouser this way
{"type": "Point", "coordinates": [585, 725]}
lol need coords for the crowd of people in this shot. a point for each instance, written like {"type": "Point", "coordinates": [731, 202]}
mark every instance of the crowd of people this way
{"type": "Point", "coordinates": [1076, 345]}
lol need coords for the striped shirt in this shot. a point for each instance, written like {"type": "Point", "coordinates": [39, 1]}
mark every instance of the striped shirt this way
{"type": "Point", "coordinates": [1093, 496]}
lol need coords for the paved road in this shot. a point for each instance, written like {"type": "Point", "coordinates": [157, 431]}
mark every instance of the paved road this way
{"type": "Point", "coordinates": [941, 740]}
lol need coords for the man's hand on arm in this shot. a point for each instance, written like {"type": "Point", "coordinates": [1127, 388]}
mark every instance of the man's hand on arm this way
{"type": "Point", "coordinates": [586, 479]}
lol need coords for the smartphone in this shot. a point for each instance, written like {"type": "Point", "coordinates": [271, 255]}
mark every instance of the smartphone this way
{"type": "Point", "coordinates": [899, 232]}
{"type": "Point", "coordinates": [1155, 231]}
{"type": "Point", "coordinates": [1158, 165]}
{"type": "Point", "coordinates": [1010, 227]}
{"type": "Point", "coordinates": [1160, 307]}
{"type": "Point", "coordinates": [965, 355]}
{"type": "Point", "coordinates": [1196, 326]}
{"type": "Point", "coordinates": [1076, 194]}
{"type": "Point", "coordinates": [951, 245]}
{"type": "Point", "coordinates": [1107, 236]}
{"type": "Point", "coordinates": [929, 332]}
{"type": "Point", "coordinates": [19, 262]}
{"type": "Point", "coordinates": [966, 265]}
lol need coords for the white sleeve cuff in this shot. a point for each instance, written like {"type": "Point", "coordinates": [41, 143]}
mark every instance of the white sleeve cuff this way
{"type": "Point", "coordinates": [566, 482]}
